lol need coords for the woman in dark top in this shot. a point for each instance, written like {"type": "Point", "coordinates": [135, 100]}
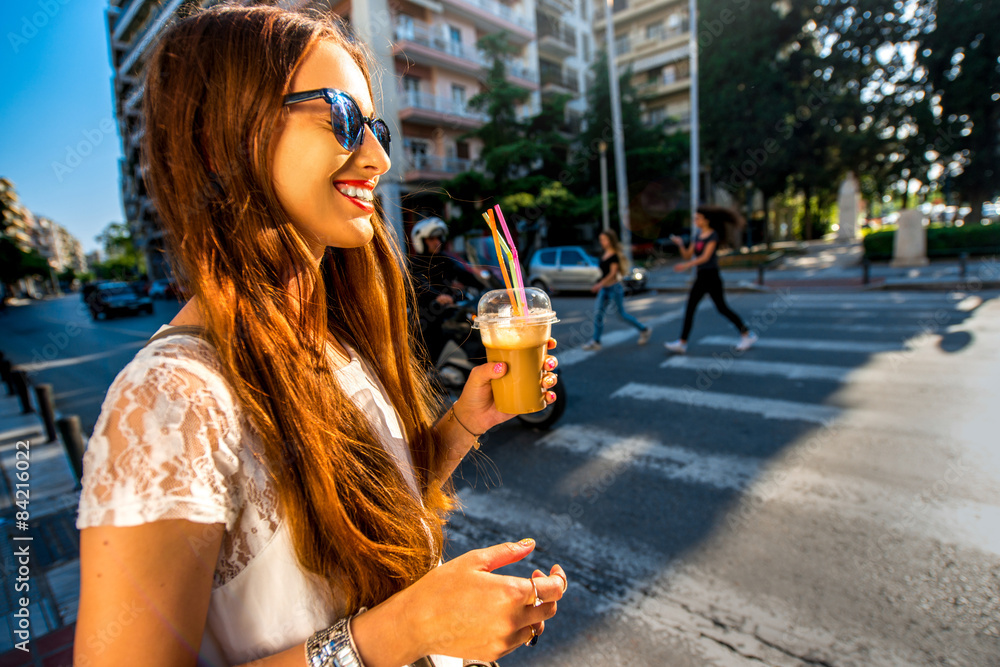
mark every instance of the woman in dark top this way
{"type": "Point", "coordinates": [609, 290]}
{"type": "Point", "coordinates": [703, 250]}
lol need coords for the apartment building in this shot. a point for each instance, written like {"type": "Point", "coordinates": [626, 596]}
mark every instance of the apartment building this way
{"type": "Point", "coordinates": [566, 53]}
{"type": "Point", "coordinates": [651, 41]}
{"type": "Point", "coordinates": [438, 70]}
{"type": "Point", "coordinates": [430, 47]}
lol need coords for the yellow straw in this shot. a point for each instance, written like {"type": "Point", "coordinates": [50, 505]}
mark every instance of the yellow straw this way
{"type": "Point", "coordinates": [498, 242]}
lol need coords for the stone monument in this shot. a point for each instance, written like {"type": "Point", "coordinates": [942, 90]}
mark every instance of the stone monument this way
{"type": "Point", "coordinates": [909, 247]}
{"type": "Point", "coordinates": [848, 200]}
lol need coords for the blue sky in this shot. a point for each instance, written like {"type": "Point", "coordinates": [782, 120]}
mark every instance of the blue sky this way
{"type": "Point", "coordinates": [56, 113]}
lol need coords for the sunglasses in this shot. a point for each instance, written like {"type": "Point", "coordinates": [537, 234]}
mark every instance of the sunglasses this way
{"type": "Point", "coordinates": [346, 118]}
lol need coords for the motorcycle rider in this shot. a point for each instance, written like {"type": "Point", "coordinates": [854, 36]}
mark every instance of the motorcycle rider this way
{"type": "Point", "coordinates": [438, 281]}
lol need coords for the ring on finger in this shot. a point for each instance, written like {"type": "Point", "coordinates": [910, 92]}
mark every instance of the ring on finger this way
{"type": "Point", "coordinates": [564, 580]}
{"type": "Point", "coordinates": [538, 601]}
{"type": "Point", "coordinates": [534, 637]}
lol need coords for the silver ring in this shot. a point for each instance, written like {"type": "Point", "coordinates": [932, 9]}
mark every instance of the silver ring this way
{"type": "Point", "coordinates": [538, 601]}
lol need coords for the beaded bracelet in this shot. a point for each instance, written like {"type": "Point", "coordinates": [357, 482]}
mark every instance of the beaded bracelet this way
{"type": "Point", "coordinates": [334, 646]}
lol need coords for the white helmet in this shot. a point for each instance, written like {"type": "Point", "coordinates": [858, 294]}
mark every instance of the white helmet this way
{"type": "Point", "coordinates": [427, 229]}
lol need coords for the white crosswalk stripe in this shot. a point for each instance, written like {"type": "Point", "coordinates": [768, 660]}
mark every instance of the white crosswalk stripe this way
{"type": "Point", "coordinates": [807, 344]}
{"type": "Point", "coordinates": [750, 367]}
{"type": "Point", "coordinates": [767, 408]}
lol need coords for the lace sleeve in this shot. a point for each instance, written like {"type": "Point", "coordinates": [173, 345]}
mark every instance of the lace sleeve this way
{"type": "Point", "coordinates": [164, 446]}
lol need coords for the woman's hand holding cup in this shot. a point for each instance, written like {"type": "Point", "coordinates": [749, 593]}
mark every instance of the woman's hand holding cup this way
{"type": "Point", "coordinates": [476, 406]}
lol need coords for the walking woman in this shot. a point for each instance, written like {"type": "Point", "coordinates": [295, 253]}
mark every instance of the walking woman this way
{"type": "Point", "coordinates": [609, 290]}
{"type": "Point", "coordinates": [265, 481]}
{"type": "Point", "coordinates": [702, 252]}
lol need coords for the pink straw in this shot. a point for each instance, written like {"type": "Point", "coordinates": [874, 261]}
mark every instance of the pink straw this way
{"type": "Point", "coordinates": [517, 262]}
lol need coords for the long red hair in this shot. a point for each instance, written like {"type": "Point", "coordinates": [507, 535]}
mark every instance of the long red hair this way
{"type": "Point", "coordinates": [214, 88]}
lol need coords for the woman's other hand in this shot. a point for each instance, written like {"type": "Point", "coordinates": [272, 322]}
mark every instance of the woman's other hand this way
{"type": "Point", "coordinates": [677, 241]}
{"type": "Point", "coordinates": [681, 266]}
{"type": "Point", "coordinates": [463, 609]}
{"type": "Point", "coordinates": [476, 407]}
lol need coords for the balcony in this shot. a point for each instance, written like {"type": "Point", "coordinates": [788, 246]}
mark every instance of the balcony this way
{"type": "Point", "coordinates": [423, 167]}
{"type": "Point", "coordinates": [431, 45]}
{"type": "Point", "coordinates": [148, 34]}
{"type": "Point", "coordinates": [555, 40]}
{"type": "Point", "coordinates": [557, 81]}
{"type": "Point", "coordinates": [522, 75]}
{"type": "Point", "coordinates": [426, 109]}
{"type": "Point", "coordinates": [489, 15]}
{"type": "Point", "coordinates": [665, 85]}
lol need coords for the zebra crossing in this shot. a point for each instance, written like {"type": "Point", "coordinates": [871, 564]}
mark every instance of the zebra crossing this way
{"type": "Point", "coordinates": [691, 549]}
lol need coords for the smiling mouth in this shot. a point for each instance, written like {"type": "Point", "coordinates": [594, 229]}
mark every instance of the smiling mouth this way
{"type": "Point", "coordinates": [361, 196]}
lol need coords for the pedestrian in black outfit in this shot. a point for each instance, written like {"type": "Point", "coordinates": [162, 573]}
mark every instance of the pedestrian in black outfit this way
{"type": "Point", "coordinates": [703, 249]}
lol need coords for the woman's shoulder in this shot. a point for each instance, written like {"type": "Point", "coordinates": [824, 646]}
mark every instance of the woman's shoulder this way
{"type": "Point", "coordinates": [182, 364]}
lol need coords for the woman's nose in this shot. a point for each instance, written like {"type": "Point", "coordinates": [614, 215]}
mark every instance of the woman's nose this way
{"type": "Point", "coordinates": [371, 154]}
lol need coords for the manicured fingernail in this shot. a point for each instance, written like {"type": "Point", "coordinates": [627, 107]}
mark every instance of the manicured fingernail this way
{"type": "Point", "coordinates": [550, 364]}
{"type": "Point", "coordinates": [526, 542]}
{"type": "Point", "coordinates": [550, 396]}
{"type": "Point", "coordinates": [549, 381]}
{"type": "Point", "coordinates": [498, 368]}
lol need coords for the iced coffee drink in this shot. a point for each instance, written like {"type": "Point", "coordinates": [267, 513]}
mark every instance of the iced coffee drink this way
{"type": "Point", "coordinates": [520, 341]}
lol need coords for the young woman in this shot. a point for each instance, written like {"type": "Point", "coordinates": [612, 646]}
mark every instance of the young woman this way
{"type": "Point", "coordinates": [702, 253]}
{"type": "Point", "coordinates": [250, 490]}
{"type": "Point", "coordinates": [609, 290]}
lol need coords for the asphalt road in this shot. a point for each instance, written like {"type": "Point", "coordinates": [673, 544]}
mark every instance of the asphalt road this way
{"type": "Point", "coordinates": [831, 497]}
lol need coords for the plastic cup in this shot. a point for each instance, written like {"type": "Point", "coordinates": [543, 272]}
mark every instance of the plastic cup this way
{"type": "Point", "coordinates": [520, 341]}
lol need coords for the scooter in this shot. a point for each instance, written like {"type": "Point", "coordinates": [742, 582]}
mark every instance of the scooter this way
{"type": "Point", "coordinates": [464, 350]}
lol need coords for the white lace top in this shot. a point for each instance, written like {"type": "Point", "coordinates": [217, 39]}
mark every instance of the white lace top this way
{"type": "Point", "coordinates": [184, 451]}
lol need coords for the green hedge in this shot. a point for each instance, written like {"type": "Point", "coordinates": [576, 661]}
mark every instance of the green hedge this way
{"type": "Point", "coordinates": [975, 239]}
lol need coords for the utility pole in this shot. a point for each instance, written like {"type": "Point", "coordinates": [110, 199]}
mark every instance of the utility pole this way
{"type": "Point", "coordinates": [605, 214]}
{"type": "Point", "coordinates": [619, 135]}
{"type": "Point", "coordinates": [695, 164]}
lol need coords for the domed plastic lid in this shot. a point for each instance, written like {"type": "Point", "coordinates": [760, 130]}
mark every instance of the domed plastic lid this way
{"type": "Point", "coordinates": [495, 308]}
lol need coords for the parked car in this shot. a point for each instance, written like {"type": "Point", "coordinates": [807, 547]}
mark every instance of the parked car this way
{"type": "Point", "coordinates": [571, 268]}
{"type": "Point", "coordinates": [164, 288]}
{"type": "Point", "coordinates": [109, 299]}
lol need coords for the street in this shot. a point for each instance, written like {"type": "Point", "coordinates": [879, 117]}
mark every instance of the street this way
{"type": "Point", "coordinates": [830, 497]}
{"type": "Point", "coordinates": [57, 342]}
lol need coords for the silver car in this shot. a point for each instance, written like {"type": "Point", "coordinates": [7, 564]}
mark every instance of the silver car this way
{"type": "Point", "coordinates": [571, 268]}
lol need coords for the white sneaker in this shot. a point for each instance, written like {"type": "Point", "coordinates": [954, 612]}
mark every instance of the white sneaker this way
{"type": "Point", "coordinates": [677, 347]}
{"type": "Point", "coordinates": [746, 342]}
{"type": "Point", "coordinates": [644, 335]}
{"type": "Point", "coordinates": [592, 346]}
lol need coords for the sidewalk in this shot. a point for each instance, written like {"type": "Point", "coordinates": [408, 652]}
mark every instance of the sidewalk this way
{"type": "Point", "coordinates": [838, 265]}
{"type": "Point", "coordinates": [47, 540]}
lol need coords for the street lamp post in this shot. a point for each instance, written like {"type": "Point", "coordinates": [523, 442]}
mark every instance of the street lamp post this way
{"type": "Point", "coordinates": [619, 136]}
{"type": "Point", "coordinates": [605, 214]}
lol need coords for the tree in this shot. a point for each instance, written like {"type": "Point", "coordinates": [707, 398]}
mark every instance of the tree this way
{"type": "Point", "coordinates": [959, 73]}
{"type": "Point", "coordinates": [653, 158]}
{"type": "Point", "coordinates": [124, 259]}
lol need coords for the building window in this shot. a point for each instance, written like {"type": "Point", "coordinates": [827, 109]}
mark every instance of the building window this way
{"type": "Point", "coordinates": [586, 47]}
{"type": "Point", "coordinates": [454, 41]}
{"type": "Point", "coordinates": [404, 27]}
{"type": "Point", "coordinates": [458, 96]}
{"type": "Point", "coordinates": [411, 88]}
{"type": "Point", "coordinates": [416, 152]}
{"type": "Point", "coordinates": [656, 115]}
{"type": "Point", "coordinates": [620, 6]}
{"type": "Point", "coordinates": [462, 150]}
{"type": "Point", "coordinates": [655, 31]}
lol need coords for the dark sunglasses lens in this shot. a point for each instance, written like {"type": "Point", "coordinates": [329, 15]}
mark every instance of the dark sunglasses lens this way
{"type": "Point", "coordinates": [381, 131]}
{"type": "Point", "coordinates": [345, 116]}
